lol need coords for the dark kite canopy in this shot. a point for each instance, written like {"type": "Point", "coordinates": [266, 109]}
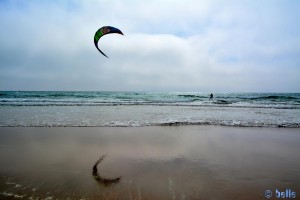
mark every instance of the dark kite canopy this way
{"type": "Point", "coordinates": [103, 31]}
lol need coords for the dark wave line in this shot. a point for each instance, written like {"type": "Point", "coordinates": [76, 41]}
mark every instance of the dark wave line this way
{"type": "Point", "coordinates": [271, 97]}
{"type": "Point", "coordinates": [221, 104]}
{"type": "Point", "coordinates": [174, 123]}
{"type": "Point", "coordinates": [192, 96]}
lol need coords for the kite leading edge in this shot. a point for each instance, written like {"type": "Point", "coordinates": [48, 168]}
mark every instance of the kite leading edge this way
{"type": "Point", "coordinates": [103, 31]}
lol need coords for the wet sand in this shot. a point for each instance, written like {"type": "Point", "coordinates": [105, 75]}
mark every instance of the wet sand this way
{"type": "Point", "coordinates": [180, 162]}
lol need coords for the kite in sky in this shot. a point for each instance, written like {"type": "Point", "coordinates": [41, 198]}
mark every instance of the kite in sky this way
{"type": "Point", "coordinates": [103, 31]}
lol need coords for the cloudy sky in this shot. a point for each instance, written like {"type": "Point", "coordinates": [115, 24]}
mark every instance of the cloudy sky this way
{"type": "Point", "coordinates": [169, 45]}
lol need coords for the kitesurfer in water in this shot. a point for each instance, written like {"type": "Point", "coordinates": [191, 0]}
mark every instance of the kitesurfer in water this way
{"type": "Point", "coordinates": [211, 96]}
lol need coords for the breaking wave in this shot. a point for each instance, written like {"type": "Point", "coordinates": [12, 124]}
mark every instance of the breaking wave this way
{"type": "Point", "coordinates": [134, 109]}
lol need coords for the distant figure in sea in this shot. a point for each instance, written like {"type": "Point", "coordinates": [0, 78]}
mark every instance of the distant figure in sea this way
{"type": "Point", "coordinates": [211, 96]}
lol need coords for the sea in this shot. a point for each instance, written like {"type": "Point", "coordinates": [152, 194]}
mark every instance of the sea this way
{"type": "Point", "coordinates": [135, 109]}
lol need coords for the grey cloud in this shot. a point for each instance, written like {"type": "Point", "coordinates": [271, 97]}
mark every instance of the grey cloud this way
{"type": "Point", "coordinates": [189, 46]}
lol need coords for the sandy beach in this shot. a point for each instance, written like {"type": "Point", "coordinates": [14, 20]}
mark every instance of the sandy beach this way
{"type": "Point", "coordinates": [160, 162]}
{"type": "Point", "coordinates": [149, 100]}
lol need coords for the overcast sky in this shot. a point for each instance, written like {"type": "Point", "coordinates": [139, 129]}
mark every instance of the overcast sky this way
{"type": "Point", "coordinates": [168, 45]}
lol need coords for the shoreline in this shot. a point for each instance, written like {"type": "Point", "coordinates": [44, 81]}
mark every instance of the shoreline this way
{"type": "Point", "coordinates": [165, 124]}
{"type": "Point", "coordinates": [156, 162]}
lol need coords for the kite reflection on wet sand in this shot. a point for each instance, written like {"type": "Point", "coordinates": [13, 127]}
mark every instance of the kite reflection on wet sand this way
{"type": "Point", "coordinates": [102, 180]}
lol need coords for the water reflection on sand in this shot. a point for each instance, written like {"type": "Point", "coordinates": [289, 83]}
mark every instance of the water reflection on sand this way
{"type": "Point", "coordinates": [188, 162]}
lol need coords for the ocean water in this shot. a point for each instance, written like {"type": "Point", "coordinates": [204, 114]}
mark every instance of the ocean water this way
{"type": "Point", "coordinates": [129, 109]}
